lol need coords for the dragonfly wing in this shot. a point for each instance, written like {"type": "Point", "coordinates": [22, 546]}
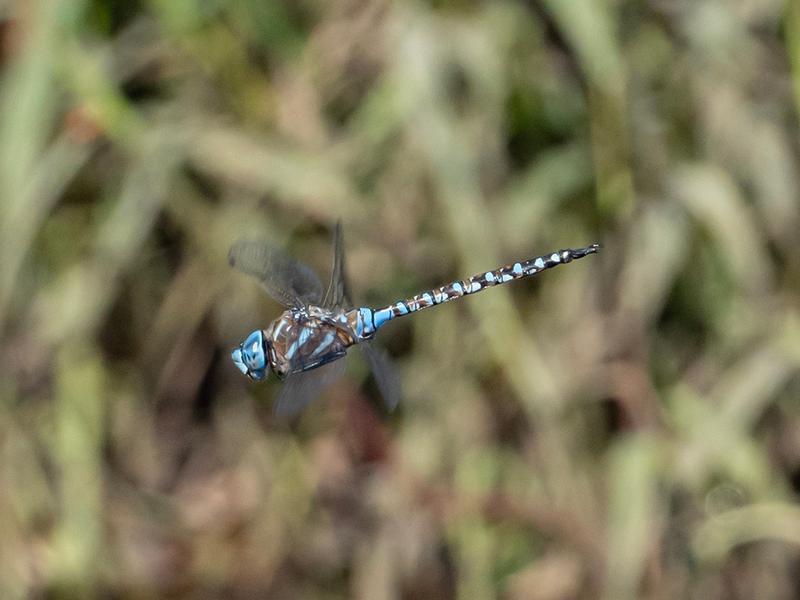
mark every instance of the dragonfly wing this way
{"type": "Point", "coordinates": [288, 281]}
{"type": "Point", "coordinates": [338, 294]}
{"type": "Point", "coordinates": [386, 375]}
{"type": "Point", "coordinates": [300, 389]}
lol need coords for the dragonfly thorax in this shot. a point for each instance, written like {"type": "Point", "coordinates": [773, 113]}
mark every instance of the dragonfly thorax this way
{"type": "Point", "coordinates": [307, 337]}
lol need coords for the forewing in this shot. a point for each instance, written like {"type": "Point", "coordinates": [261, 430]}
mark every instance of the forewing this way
{"type": "Point", "coordinates": [338, 294]}
{"type": "Point", "coordinates": [386, 375]}
{"type": "Point", "coordinates": [288, 281]}
{"type": "Point", "coordinates": [300, 389]}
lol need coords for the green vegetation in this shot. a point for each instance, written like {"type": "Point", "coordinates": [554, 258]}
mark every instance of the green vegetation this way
{"type": "Point", "coordinates": [625, 427]}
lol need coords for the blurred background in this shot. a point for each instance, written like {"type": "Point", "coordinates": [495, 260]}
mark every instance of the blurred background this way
{"type": "Point", "coordinates": [623, 427]}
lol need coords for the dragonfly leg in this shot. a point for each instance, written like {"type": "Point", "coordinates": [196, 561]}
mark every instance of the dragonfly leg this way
{"type": "Point", "coordinates": [328, 358]}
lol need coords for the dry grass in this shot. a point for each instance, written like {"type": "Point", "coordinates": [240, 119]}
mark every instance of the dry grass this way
{"type": "Point", "coordinates": [624, 427]}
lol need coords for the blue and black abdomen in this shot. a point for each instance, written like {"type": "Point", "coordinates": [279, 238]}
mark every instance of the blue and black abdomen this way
{"type": "Point", "coordinates": [365, 321]}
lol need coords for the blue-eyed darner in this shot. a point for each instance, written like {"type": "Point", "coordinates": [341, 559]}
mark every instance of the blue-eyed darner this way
{"type": "Point", "coordinates": [303, 345]}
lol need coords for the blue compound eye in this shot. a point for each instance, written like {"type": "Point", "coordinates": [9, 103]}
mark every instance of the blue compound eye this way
{"type": "Point", "coordinates": [250, 357]}
{"type": "Point", "coordinates": [236, 355]}
{"type": "Point", "coordinates": [253, 351]}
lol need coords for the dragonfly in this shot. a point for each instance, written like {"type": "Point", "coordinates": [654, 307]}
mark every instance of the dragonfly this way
{"type": "Point", "coordinates": [304, 345]}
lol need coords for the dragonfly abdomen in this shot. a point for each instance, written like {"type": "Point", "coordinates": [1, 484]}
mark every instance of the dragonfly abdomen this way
{"type": "Point", "coordinates": [366, 321]}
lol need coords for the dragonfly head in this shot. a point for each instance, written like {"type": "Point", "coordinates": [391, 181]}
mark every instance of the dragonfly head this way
{"type": "Point", "coordinates": [250, 357]}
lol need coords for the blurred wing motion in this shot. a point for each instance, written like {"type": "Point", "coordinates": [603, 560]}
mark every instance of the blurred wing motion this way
{"type": "Point", "coordinates": [300, 389]}
{"type": "Point", "coordinates": [338, 294]}
{"type": "Point", "coordinates": [288, 281]}
{"type": "Point", "coordinates": [386, 376]}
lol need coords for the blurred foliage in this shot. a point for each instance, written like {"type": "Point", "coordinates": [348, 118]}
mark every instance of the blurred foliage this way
{"type": "Point", "coordinates": [624, 427]}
